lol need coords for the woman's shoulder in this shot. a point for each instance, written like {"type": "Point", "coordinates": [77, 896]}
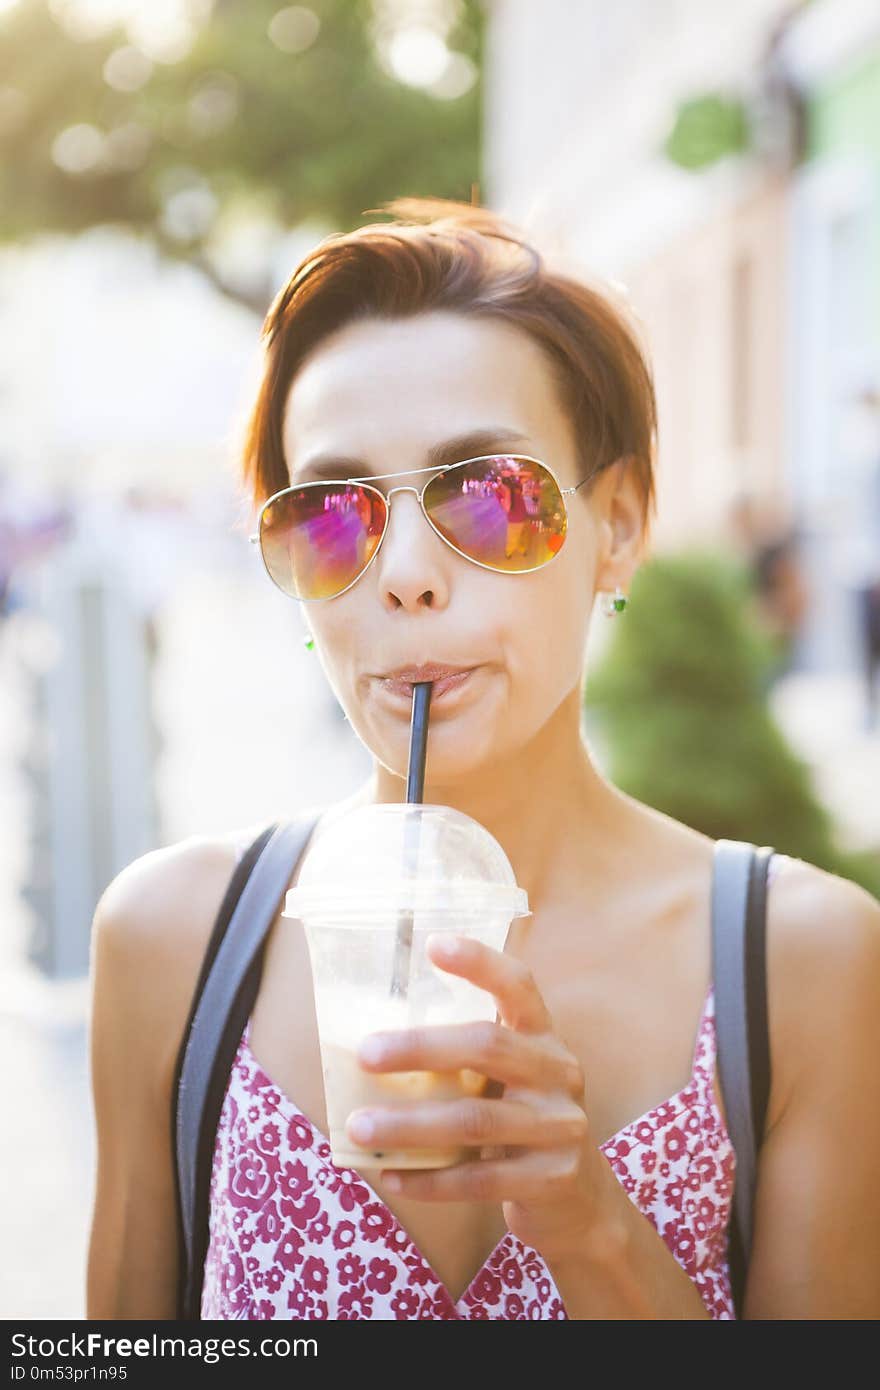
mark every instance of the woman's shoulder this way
{"type": "Point", "coordinates": [162, 891]}
{"type": "Point", "coordinates": [153, 922]}
{"type": "Point", "coordinates": [816, 918]}
{"type": "Point", "coordinates": [170, 895]}
{"type": "Point", "coordinates": [823, 961]}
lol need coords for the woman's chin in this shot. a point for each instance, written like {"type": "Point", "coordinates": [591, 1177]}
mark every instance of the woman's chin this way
{"type": "Point", "coordinates": [458, 762]}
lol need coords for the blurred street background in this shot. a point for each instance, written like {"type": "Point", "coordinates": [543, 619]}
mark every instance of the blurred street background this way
{"type": "Point", "coordinates": [163, 166]}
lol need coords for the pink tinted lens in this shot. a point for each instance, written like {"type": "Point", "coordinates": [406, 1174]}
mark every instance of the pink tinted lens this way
{"type": "Point", "coordinates": [317, 539]}
{"type": "Point", "coordinates": [506, 512]}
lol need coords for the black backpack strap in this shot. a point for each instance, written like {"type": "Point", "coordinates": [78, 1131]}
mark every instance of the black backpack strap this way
{"type": "Point", "coordinates": [739, 971]}
{"type": "Point", "coordinates": [225, 993]}
{"type": "Point", "coordinates": [233, 893]}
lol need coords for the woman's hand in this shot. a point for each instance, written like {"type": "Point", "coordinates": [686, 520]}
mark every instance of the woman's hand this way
{"type": "Point", "coordinates": [549, 1176]}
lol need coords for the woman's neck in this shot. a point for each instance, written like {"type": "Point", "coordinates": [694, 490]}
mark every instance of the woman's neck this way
{"type": "Point", "coordinates": [550, 809]}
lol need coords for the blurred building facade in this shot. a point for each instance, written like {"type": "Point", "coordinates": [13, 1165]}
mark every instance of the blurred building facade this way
{"type": "Point", "coordinates": [833, 54]}
{"type": "Point", "coordinates": [755, 275]}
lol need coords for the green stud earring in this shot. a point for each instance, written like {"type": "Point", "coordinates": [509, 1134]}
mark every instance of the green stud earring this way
{"type": "Point", "coordinates": [615, 603]}
{"type": "Point", "coordinates": [309, 643]}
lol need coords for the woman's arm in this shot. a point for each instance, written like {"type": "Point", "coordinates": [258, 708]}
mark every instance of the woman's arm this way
{"type": "Point", "coordinates": [150, 932]}
{"type": "Point", "coordinates": [816, 1247]}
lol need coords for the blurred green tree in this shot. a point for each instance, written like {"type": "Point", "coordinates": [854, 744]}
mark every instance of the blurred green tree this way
{"type": "Point", "coordinates": [290, 113]}
{"type": "Point", "coordinates": [678, 705]}
{"type": "Point", "coordinates": [706, 128]}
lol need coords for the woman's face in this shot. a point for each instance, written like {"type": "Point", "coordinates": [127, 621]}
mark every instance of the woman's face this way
{"type": "Point", "coordinates": [384, 392]}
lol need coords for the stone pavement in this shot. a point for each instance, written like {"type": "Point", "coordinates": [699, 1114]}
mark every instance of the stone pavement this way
{"type": "Point", "coordinates": [47, 1158]}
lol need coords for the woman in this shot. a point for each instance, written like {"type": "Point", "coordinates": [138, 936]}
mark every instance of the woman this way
{"type": "Point", "coordinates": [399, 348]}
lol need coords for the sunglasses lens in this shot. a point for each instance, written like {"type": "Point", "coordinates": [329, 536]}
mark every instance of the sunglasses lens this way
{"type": "Point", "coordinates": [505, 512]}
{"type": "Point", "coordinates": [317, 539]}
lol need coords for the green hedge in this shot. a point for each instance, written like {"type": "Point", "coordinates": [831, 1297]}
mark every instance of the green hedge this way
{"type": "Point", "coordinates": [678, 703]}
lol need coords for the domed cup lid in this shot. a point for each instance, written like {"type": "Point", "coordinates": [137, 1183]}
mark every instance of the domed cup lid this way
{"type": "Point", "coordinates": [378, 859]}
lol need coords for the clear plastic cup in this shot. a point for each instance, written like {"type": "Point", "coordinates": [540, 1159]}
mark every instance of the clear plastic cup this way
{"type": "Point", "coordinates": [374, 884]}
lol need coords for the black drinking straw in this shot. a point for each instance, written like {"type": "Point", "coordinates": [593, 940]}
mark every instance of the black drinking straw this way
{"type": "Point", "coordinates": [418, 743]}
{"type": "Point", "coordinates": [415, 790]}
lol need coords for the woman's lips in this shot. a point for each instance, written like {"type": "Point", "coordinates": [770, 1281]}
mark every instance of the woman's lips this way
{"type": "Point", "coordinates": [404, 689]}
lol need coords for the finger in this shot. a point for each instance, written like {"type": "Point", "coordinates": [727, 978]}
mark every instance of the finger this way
{"type": "Point", "coordinates": [536, 1176]}
{"type": "Point", "coordinates": [504, 976]}
{"type": "Point", "coordinates": [501, 1053]}
{"type": "Point", "coordinates": [545, 1122]}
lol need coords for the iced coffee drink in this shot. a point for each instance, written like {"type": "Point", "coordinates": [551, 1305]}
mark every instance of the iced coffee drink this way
{"type": "Point", "coordinates": [348, 1087]}
{"type": "Point", "coordinates": [357, 880]}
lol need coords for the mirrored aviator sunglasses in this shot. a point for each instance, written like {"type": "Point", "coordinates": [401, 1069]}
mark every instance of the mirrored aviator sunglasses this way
{"type": "Point", "coordinates": [504, 512]}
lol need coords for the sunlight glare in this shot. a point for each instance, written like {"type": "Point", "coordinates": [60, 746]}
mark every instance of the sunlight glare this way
{"type": "Point", "coordinates": [418, 55]}
{"type": "Point", "coordinates": [164, 30]}
{"type": "Point", "coordinates": [294, 29]}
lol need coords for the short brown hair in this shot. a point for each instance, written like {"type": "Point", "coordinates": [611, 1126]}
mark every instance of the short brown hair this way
{"type": "Point", "coordinates": [440, 254]}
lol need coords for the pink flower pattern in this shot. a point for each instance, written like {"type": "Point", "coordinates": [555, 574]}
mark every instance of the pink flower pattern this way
{"type": "Point", "coordinates": [326, 1246]}
{"type": "Point", "coordinates": [294, 1237]}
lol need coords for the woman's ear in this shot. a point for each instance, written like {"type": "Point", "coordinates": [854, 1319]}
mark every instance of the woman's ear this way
{"type": "Point", "coordinates": [619, 503]}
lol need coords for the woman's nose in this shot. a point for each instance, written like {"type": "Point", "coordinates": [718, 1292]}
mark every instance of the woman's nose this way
{"type": "Point", "coordinates": [412, 567]}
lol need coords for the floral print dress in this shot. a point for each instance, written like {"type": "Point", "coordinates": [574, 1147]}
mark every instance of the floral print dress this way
{"type": "Point", "coordinates": [294, 1237]}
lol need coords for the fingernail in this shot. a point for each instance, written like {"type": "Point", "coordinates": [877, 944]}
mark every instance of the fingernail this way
{"type": "Point", "coordinates": [361, 1127]}
{"type": "Point", "coordinates": [392, 1182]}
{"type": "Point", "coordinates": [444, 946]}
{"type": "Point", "coordinates": [371, 1050]}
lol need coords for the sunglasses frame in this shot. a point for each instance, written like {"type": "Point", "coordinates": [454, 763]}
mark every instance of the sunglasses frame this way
{"type": "Point", "coordinates": [256, 538]}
